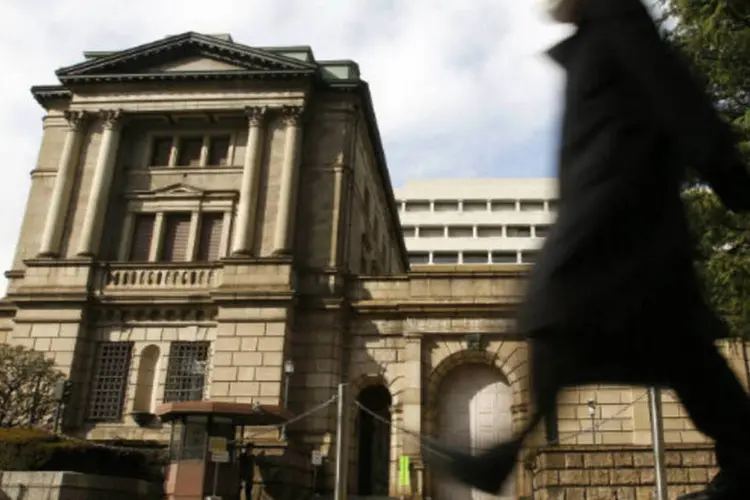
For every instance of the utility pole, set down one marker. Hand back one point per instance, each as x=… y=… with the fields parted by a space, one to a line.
x=341 y=458
x=657 y=437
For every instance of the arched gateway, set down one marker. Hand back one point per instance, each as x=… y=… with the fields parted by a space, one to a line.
x=474 y=412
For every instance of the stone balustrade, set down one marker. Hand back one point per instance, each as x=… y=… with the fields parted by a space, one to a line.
x=127 y=277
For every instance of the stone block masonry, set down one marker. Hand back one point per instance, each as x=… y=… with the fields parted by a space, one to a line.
x=616 y=472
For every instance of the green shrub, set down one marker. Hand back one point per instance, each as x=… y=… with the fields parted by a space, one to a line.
x=31 y=449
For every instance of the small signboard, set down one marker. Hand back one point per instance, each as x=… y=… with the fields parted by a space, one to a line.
x=316 y=458
x=217 y=444
x=403 y=470
x=220 y=457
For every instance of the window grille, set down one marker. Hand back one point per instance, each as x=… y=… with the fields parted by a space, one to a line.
x=186 y=371
x=110 y=381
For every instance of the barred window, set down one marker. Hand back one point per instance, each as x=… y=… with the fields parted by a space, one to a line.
x=110 y=381
x=186 y=371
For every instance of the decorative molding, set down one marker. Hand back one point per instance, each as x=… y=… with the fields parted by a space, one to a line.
x=111 y=117
x=190 y=314
x=256 y=115
x=292 y=115
x=76 y=119
x=475 y=342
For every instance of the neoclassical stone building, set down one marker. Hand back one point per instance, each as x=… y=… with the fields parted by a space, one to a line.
x=202 y=212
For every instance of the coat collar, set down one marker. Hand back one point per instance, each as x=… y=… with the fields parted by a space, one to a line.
x=562 y=52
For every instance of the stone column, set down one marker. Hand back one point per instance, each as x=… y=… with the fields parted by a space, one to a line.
x=244 y=229
x=287 y=203
x=99 y=191
x=59 y=202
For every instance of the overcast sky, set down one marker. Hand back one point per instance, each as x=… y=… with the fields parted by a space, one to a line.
x=461 y=88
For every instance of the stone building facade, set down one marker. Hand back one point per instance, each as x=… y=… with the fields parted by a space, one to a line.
x=203 y=211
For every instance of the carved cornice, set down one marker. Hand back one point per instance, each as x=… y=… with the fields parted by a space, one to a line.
x=255 y=115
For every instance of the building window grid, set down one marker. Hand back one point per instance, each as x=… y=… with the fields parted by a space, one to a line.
x=453 y=231
x=186 y=371
x=110 y=381
x=190 y=150
x=491 y=205
x=173 y=237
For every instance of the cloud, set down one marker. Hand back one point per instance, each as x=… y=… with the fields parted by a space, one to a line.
x=455 y=83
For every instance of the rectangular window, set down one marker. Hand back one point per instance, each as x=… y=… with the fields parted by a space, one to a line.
x=189 y=149
x=476 y=258
x=552 y=205
x=529 y=256
x=419 y=258
x=541 y=231
x=176 y=235
x=503 y=206
x=431 y=232
x=209 y=243
x=409 y=231
x=417 y=206
x=186 y=371
x=445 y=206
x=218 y=151
x=445 y=258
x=532 y=206
x=460 y=232
x=489 y=231
x=518 y=231
x=161 y=150
x=475 y=206
x=504 y=257
x=110 y=381
x=143 y=232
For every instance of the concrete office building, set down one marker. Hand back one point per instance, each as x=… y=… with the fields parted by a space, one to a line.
x=476 y=221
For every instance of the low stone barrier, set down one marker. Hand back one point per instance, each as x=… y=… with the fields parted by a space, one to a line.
x=617 y=472
x=52 y=485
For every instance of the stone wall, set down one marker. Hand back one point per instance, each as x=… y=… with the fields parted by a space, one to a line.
x=616 y=472
x=74 y=486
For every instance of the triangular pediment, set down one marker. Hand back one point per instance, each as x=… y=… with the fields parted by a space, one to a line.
x=188 y=53
x=178 y=189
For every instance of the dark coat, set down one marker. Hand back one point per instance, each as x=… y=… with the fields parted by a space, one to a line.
x=619 y=255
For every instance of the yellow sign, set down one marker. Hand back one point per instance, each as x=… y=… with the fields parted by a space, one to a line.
x=217 y=445
x=403 y=470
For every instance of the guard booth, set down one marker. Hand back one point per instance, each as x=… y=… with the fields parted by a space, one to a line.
x=205 y=441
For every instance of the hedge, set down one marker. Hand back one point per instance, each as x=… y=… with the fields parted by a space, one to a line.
x=38 y=450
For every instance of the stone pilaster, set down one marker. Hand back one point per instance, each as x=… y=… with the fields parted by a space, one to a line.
x=244 y=228
x=411 y=398
x=100 y=184
x=287 y=202
x=58 y=204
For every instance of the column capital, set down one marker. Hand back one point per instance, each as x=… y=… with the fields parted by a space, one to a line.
x=76 y=119
x=111 y=117
x=292 y=115
x=255 y=115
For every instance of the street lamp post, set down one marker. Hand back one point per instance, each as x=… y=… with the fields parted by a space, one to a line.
x=288 y=372
x=592 y=414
